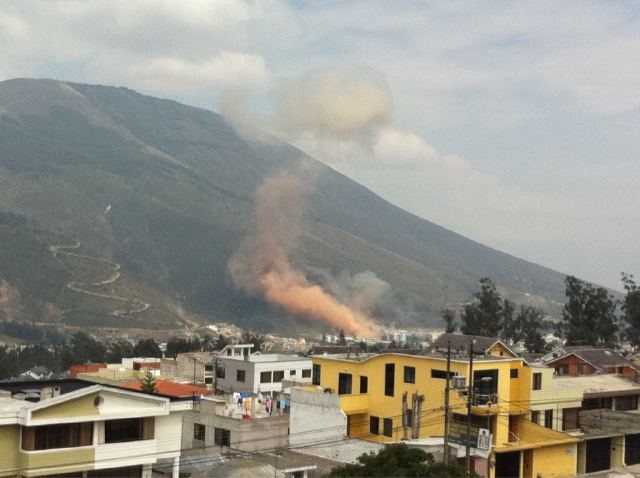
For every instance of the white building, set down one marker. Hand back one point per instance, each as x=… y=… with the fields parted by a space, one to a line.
x=261 y=372
x=93 y=430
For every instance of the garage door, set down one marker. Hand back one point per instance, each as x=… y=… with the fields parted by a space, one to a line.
x=598 y=455
x=632 y=449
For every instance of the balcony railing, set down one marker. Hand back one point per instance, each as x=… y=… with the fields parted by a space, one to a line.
x=482 y=399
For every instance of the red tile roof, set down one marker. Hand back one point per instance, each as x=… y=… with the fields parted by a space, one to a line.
x=172 y=389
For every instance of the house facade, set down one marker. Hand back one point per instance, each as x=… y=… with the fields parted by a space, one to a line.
x=390 y=398
x=261 y=373
x=93 y=430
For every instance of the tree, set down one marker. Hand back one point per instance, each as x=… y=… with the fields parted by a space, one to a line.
x=511 y=326
x=118 y=350
x=147 y=348
x=83 y=348
x=341 y=338
x=529 y=321
x=177 y=346
x=631 y=308
x=148 y=383
x=483 y=316
x=222 y=342
x=398 y=460
x=449 y=316
x=588 y=315
x=256 y=340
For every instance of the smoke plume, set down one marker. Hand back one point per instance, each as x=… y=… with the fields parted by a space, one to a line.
x=261 y=265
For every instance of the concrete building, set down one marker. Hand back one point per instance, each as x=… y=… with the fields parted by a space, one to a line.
x=589 y=360
x=212 y=423
x=608 y=420
x=386 y=398
x=198 y=367
x=481 y=345
x=71 y=426
x=264 y=373
x=554 y=403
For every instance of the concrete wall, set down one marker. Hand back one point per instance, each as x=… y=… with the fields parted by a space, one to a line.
x=249 y=435
x=315 y=418
x=555 y=461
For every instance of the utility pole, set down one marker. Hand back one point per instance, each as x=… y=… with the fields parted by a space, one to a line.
x=405 y=421
x=469 y=403
x=215 y=375
x=446 y=405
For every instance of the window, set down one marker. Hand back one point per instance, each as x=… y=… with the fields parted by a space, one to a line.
x=222 y=437
x=514 y=373
x=344 y=384
x=374 y=425
x=388 y=427
x=240 y=375
x=57 y=436
x=220 y=372
x=306 y=373
x=389 y=379
x=208 y=380
x=485 y=383
x=535 y=416
x=595 y=403
x=409 y=374
x=364 y=384
x=441 y=374
x=548 y=418
x=208 y=367
x=537 y=381
x=119 y=431
x=562 y=370
x=265 y=377
x=570 y=418
x=278 y=375
x=316 y=374
x=198 y=431
x=627 y=403
x=292 y=373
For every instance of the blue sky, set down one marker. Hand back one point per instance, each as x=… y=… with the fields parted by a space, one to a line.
x=514 y=123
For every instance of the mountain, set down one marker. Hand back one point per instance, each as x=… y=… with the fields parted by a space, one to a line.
x=123 y=210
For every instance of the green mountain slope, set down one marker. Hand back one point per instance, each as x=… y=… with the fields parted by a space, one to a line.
x=161 y=194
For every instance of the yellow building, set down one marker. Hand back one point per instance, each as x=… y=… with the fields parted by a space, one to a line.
x=371 y=387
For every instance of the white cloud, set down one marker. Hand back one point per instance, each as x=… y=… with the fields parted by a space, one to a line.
x=513 y=122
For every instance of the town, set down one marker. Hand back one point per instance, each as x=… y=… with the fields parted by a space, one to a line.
x=274 y=406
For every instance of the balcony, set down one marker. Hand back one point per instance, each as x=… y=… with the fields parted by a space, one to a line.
x=486 y=404
x=353 y=404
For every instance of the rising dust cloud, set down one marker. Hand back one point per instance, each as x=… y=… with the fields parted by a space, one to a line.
x=261 y=265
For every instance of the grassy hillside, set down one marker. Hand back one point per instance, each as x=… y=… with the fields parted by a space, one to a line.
x=161 y=193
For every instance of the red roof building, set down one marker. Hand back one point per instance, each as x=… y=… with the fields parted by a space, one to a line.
x=74 y=370
x=172 y=389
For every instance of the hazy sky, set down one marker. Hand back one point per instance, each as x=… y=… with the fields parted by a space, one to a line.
x=516 y=124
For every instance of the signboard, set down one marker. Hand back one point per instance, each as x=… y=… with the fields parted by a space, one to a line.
x=479 y=437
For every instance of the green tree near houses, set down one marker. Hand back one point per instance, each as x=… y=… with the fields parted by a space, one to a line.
x=449 y=316
x=589 y=315
x=484 y=315
x=148 y=383
x=399 y=460
x=530 y=325
x=631 y=308
x=341 y=338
